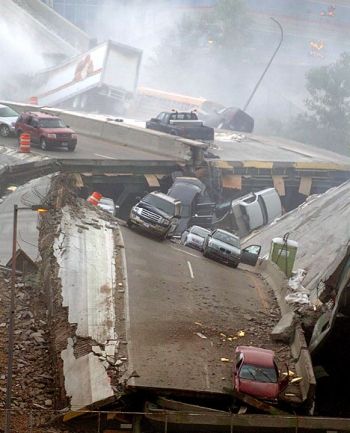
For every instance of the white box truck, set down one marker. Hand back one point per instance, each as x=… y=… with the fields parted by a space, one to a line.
x=102 y=80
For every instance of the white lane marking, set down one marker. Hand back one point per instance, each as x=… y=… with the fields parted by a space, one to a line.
x=206 y=375
x=186 y=252
x=104 y=156
x=190 y=268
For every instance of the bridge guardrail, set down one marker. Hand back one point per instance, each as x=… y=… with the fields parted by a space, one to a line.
x=126 y=135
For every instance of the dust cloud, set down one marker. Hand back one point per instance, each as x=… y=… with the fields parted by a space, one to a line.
x=228 y=77
x=20 y=56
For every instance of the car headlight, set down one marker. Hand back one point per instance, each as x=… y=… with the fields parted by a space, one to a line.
x=74 y=136
x=51 y=135
x=136 y=210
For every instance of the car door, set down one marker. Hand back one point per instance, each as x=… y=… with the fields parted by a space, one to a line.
x=250 y=255
x=34 y=132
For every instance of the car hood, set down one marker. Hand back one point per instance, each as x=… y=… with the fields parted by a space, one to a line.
x=195 y=238
x=262 y=390
x=221 y=244
x=160 y=212
x=8 y=120
x=59 y=131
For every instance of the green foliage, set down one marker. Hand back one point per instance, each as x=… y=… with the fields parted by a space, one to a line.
x=327 y=121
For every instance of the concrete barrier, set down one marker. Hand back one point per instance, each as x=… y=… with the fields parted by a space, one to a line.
x=299 y=349
x=180 y=149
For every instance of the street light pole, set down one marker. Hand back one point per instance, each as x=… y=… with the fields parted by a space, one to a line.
x=267 y=66
x=11 y=325
x=40 y=209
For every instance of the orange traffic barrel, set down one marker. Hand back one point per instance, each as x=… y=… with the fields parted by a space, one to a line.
x=33 y=100
x=94 y=198
x=24 y=143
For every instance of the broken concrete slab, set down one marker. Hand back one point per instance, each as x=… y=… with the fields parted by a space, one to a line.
x=285 y=328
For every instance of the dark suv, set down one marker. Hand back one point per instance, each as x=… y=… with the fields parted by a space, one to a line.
x=46 y=130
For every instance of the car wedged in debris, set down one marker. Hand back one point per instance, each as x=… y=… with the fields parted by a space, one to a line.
x=156 y=213
x=195 y=237
x=226 y=247
x=46 y=130
x=8 y=118
x=255 y=372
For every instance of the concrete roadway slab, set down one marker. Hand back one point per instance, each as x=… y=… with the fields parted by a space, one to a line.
x=175 y=297
x=254 y=148
x=27 y=233
x=90 y=148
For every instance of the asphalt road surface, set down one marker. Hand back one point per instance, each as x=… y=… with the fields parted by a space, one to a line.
x=27 y=233
x=89 y=148
x=185 y=313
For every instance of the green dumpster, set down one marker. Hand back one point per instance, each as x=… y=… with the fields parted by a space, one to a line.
x=283 y=252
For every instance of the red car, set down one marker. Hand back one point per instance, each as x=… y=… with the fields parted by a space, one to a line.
x=46 y=130
x=255 y=372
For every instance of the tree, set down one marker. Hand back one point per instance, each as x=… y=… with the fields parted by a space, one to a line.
x=327 y=121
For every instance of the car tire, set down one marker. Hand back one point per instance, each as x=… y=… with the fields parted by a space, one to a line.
x=71 y=148
x=205 y=253
x=173 y=132
x=130 y=224
x=43 y=144
x=4 y=131
x=234 y=264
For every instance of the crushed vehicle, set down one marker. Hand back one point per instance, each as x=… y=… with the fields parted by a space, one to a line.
x=195 y=206
x=249 y=212
x=226 y=247
x=8 y=118
x=156 y=213
x=46 y=130
x=195 y=237
x=183 y=124
x=255 y=372
x=229 y=118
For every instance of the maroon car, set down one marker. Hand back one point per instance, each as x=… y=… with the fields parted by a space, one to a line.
x=46 y=130
x=256 y=373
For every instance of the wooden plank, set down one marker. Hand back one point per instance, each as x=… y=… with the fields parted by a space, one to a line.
x=232 y=181
x=152 y=180
x=278 y=183
x=305 y=185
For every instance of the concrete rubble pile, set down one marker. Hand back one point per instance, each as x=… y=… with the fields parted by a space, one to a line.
x=33 y=387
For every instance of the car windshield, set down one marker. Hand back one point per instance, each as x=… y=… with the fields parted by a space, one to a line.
x=227 y=238
x=106 y=201
x=7 y=112
x=159 y=203
x=51 y=123
x=259 y=374
x=199 y=231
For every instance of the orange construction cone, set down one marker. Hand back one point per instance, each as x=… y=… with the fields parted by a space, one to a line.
x=24 y=143
x=94 y=198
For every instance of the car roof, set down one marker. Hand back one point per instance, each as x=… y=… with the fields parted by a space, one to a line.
x=40 y=114
x=165 y=197
x=226 y=232
x=199 y=227
x=257 y=355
